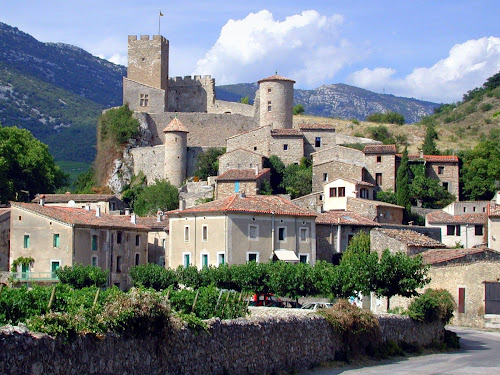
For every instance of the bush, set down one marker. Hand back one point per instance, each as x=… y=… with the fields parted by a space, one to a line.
x=118 y=125
x=359 y=328
x=80 y=276
x=485 y=107
x=151 y=275
x=433 y=305
x=298 y=109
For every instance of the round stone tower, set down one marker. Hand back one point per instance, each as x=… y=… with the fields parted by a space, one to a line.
x=276 y=102
x=175 y=152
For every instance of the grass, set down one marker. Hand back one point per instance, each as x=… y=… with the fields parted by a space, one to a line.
x=73 y=168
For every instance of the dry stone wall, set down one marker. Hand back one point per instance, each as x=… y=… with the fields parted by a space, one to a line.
x=258 y=345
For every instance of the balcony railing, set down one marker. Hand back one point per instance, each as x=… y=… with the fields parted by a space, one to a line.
x=34 y=276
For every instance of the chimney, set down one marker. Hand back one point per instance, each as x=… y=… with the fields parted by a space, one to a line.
x=42 y=200
x=421 y=154
x=87 y=207
x=158 y=216
x=98 y=211
x=133 y=219
x=256 y=170
x=127 y=211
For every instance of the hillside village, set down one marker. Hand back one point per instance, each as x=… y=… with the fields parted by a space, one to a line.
x=179 y=119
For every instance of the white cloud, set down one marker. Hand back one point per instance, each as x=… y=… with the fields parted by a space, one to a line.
x=305 y=47
x=467 y=66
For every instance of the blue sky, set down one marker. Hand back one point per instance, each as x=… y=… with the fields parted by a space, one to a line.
x=433 y=50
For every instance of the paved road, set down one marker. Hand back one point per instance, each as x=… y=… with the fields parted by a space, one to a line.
x=480 y=354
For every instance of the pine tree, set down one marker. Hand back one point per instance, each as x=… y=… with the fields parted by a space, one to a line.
x=429 y=145
x=402 y=183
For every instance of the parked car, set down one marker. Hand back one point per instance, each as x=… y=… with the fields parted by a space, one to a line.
x=316 y=305
x=266 y=299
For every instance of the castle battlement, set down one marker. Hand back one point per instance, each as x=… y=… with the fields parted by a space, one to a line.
x=191 y=80
x=135 y=38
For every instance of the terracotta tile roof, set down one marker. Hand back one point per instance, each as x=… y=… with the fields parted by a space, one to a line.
x=242 y=174
x=352 y=180
x=80 y=217
x=240 y=150
x=345 y=218
x=434 y=158
x=444 y=255
x=375 y=203
x=316 y=127
x=65 y=198
x=153 y=223
x=286 y=132
x=276 y=77
x=175 y=126
x=257 y=204
x=380 y=149
x=343 y=161
x=441 y=217
x=493 y=210
x=4 y=211
x=411 y=238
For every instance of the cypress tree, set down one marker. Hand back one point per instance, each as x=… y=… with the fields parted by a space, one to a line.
x=403 y=184
x=429 y=145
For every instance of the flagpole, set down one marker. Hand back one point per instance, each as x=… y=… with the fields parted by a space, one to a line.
x=159 y=16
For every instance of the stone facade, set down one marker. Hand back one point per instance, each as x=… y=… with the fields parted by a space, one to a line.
x=297 y=343
x=240 y=159
x=331 y=170
x=380 y=212
x=256 y=140
x=405 y=241
x=191 y=94
x=276 y=102
x=313 y=201
x=249 y=185
x=317 y=139
x=289 y=148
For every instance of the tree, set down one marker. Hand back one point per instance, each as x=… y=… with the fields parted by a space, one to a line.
x=382 y=134
x=162 y=195
x=118 y=124
x=207 y=163
x=429 y=145
x=152 y=275
x=298 y=109
x=26 y=166
x=402 y=183
x=427 y=190
x=480 y=171
x=245 y=100
x=80 y=276
x=297 y=179
x=388 y=196
x=84 y=182
x=388 y=118
x=399 y=274
x=277 y=169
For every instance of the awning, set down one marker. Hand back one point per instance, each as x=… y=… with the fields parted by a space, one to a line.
x=286 y=256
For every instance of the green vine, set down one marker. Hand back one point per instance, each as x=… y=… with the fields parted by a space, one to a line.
x=22 y=261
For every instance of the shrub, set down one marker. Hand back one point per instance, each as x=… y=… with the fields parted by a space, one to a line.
x=433 y=305
x=486 y=107
x=355 y=121
x=151 y=275
x=359 y=328
x=118 y=125
x=80 y=276
x=298 y=109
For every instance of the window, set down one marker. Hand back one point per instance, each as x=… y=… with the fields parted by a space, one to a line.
x=54 y=265
x=379 y=159
x=341 y=191
x=204 y=233
x=440 y=170
x=221 y=258
x=255 y=148
x=269 y=90
x=137 y=259
x=445 y=186
x=236 y=186
x=118 y=237
x=253 y=232
x=457 y=230
x=187 y=259
x=204 y=260
x=281 y=233
x=465 y=209
x=252 y=257
x=94 y=261
x=378 y=179
x=137 y=240
x=363 y=193
x=118 y=264
x=317 y=142
x=55 y=240
x=478 y=230
x=461 y=300
x=450 y=230
x=186 y=233
x=304 y=258
x=144 y=100
x=304 y=234
x=325 y=177
x=164 y=244
x=94 y=243
x=269 y=107
x=474 y=209
x=333 y=192
x=26 y=242
x=285 y=147
x=161 y=261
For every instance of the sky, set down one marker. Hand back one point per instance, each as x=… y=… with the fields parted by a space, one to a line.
x=432 y=50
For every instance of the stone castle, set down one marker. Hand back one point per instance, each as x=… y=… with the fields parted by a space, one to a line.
x=180 y=117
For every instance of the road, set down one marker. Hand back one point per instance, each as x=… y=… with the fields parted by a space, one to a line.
x=480 y=354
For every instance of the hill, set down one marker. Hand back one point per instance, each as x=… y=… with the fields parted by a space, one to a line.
x=340 y=101
x=56 y=91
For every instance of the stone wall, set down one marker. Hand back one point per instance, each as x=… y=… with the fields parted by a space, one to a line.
x=337 y=152
x=449 y=175
x=257 y=345
x=294 y=146
x=334 y=169
x=133 y=92
x=149 y=160
x=312 y=201
x=327 y=140
x=191 y=94
x=222 y=106
x=256 y=140
x=240 y=159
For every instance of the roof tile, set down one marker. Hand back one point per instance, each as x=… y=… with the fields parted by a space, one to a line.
x=289 y=132
x=175 y=126
x=275 y=77
x=444 y=255
x=411 y=238
x=317 y=127
x=344 y=218
x=380 y=149
x=441 y=217
x=242 y=174
x=65 y=198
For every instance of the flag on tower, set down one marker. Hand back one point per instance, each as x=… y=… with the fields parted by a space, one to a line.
x=161 y=14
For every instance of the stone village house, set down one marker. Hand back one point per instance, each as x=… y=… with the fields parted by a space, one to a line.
x=62 y=236
x=108 y=203
x=240 y=228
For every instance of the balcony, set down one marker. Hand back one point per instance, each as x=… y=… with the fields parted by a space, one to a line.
x=25 y=277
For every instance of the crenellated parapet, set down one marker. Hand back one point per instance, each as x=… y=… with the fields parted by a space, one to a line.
x=205 y=80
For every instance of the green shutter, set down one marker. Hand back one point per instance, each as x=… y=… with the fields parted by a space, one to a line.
x=55 y=240
x=94 y=243
x=26 y=241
